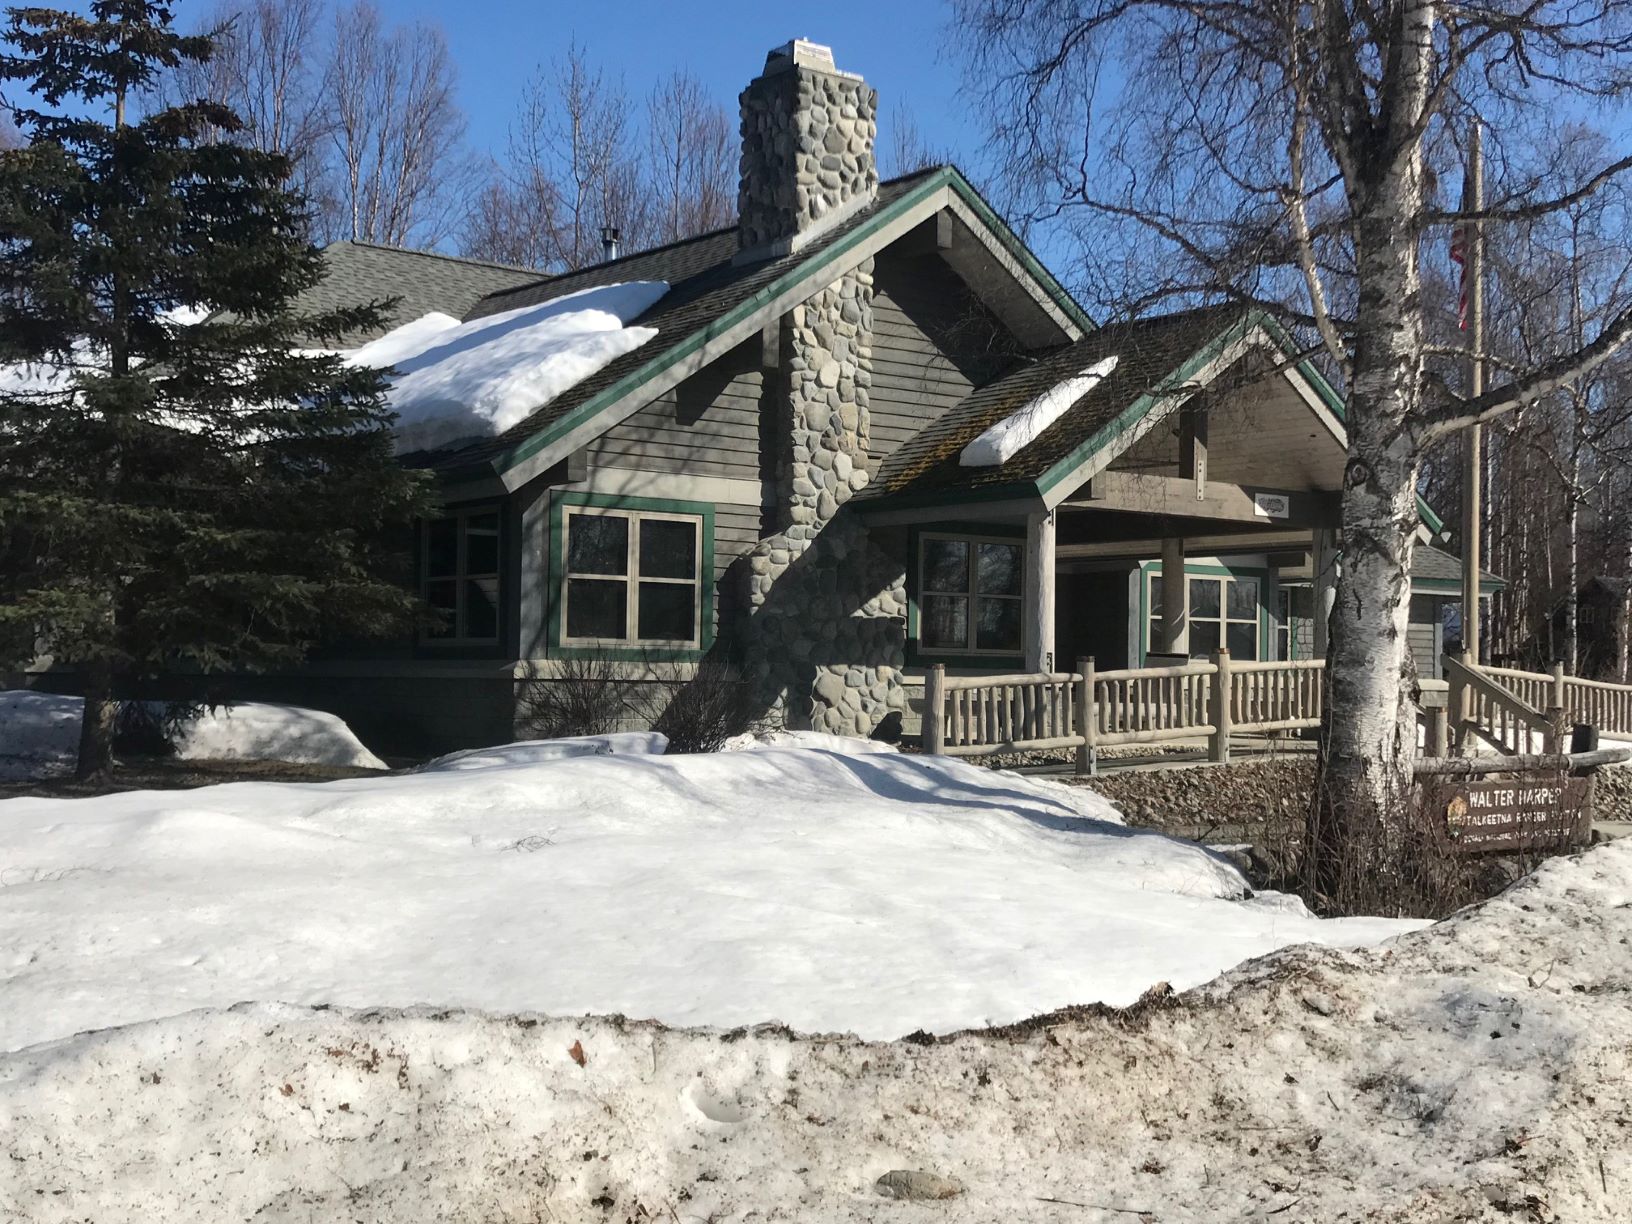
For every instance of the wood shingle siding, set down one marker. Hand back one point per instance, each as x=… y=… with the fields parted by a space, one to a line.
x=932 y=344
x=707 y=426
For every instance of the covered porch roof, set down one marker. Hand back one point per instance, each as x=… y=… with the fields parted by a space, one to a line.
x=1276 y=429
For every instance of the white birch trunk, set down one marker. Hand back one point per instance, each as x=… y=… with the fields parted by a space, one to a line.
x=1369 y=739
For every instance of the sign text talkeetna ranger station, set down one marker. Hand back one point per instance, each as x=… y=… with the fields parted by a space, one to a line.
x=1525 y=814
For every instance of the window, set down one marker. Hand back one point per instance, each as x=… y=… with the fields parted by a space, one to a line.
x=969 y=594
x=1223 y=611
x=461 y=575
x=632 y=577
x=1283 y=625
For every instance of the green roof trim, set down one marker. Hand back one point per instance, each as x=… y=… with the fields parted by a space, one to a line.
x=946 y=176
x=1021 y=252
x=1134 y=412
x=1488 y=585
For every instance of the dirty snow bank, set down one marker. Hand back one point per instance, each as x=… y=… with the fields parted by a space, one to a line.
x=458 y=380
x=835 y=891
x=1478 y=1070
x=39 y=735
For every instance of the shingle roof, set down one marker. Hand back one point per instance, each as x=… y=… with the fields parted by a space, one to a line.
x=1148 y=351
x=703 y=285
x=360 y=272
x=1430 y=564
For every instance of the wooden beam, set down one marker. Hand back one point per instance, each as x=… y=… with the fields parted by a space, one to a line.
x=1039 y=591
x=1193 y=446
x=1195 y=546
x=770 y=345
x=1178 y=496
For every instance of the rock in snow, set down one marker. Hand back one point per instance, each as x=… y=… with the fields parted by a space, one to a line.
x=1480 y=1070
x=1015 y=432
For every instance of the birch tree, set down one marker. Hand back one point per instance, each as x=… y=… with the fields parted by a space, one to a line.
x=396 y=130
x=267 y=69
x=1301 y=155
x=691 y=158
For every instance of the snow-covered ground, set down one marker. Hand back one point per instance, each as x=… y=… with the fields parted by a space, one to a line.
x=857 y=891
x=1480 y=1070
x=39 y=735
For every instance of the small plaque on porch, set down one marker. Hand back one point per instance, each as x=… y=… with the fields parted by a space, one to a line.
x=1272 y=505
x=1530 y=814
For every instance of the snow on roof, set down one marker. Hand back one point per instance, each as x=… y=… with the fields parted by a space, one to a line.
x=24 y=378
x=456 y=381
x=1014 y=433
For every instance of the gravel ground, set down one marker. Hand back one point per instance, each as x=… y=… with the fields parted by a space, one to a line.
x=1250 y=800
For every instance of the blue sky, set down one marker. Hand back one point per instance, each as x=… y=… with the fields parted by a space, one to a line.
x=900 y=46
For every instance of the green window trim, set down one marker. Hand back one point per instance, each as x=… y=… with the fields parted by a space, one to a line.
x=916 y=655
x=1267 y=588
x=555 y=602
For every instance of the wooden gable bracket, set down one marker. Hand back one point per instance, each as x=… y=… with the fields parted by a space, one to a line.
x=930 y=237
x=770 y=345
x=1193 y=446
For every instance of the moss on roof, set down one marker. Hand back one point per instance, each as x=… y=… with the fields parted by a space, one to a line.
x=1149 y=351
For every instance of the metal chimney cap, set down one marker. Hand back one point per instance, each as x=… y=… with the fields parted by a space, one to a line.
x=802 y=53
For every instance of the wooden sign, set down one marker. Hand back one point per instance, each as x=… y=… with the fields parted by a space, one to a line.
x=1523 y=814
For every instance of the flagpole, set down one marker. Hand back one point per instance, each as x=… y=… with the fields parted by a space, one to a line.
x=1473 y=439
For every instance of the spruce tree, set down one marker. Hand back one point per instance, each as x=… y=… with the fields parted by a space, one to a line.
x=174 y=494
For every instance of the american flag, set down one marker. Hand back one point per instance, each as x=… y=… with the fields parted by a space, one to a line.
x=1461 y=238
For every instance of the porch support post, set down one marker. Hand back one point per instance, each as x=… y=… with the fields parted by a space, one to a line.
x=1175 y=599
x=1325 y=562
x=1039 y=591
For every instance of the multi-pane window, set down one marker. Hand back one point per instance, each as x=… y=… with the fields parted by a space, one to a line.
x=461 y=575
x=632 y=577
x=970 y=594
x=1283 y=624
x=1223 y=612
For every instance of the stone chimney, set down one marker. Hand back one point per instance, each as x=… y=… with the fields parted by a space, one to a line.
x=808 y=132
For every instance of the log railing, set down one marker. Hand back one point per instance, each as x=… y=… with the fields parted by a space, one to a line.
x=1088 y=709
x=1209 y=700
x=980 y=715
x=1284 y=696
x=1595 y=702
x=1483 y=703
x=1600 y=704
x=1150 y=705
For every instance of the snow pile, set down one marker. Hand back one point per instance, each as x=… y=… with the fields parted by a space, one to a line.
x=780 y=738
x=1014 y=433
x=459 y=380
x=1479 y=1070
x=259 y=731
x=533 y=752
x=872 y=892
x=39 y=735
